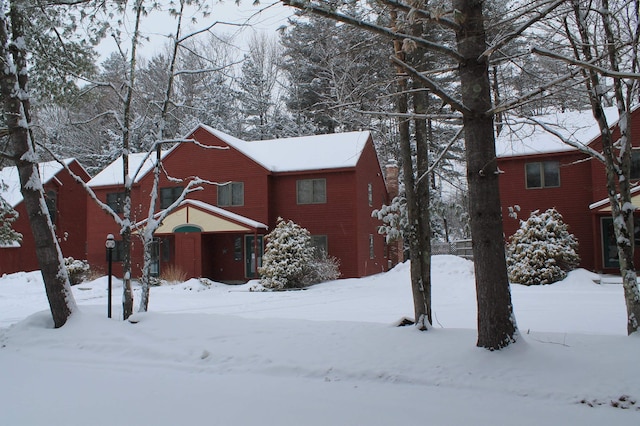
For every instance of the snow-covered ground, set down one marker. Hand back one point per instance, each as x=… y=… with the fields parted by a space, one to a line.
x=329 y=355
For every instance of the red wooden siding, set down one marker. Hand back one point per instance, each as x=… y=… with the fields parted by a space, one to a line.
x=582 y=183
x=345 y=218
x=70 y=223
x=572 y=198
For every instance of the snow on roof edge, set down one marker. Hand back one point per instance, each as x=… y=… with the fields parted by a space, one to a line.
x=47 y=170
x=511 y=144
x=605 y=201
x=225 y=213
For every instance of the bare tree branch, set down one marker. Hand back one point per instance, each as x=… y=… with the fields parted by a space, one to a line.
x=540 y=90
x=426 y=15
x=586 y=65
x=336 y=16
x=435 y=88
x=518 y=31
x=442 y=154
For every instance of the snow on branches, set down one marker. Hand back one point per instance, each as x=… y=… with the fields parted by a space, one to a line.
x=542 y=251
x=291 y=261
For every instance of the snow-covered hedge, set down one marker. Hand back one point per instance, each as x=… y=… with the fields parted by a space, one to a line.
x=542 y=251
x=290 y=261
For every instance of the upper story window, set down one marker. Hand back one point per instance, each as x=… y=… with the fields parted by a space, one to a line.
x=115 y=200
x=169 y=195
x=544 y=174
x=370 y=194
x=231 y=194
x=635 y=164
x=312 y=191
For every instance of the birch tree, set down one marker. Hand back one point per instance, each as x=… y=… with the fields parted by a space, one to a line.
x=153 y=219
x=20 y=150
x=604 y=38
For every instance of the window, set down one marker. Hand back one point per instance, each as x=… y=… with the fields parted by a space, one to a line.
x=115 y=200
x=312 y=191
x=370 y=194
x=635 y=164
x=117 y=254
x=169 y=195
x=231 y=194
x=165 y=249
x=237 y=249
x=319 y=243
x=372 y=253
x=545 y=174
x=51 y=199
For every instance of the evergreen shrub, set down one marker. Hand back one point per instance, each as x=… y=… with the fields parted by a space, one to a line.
x=542 y=251
x=290 y=261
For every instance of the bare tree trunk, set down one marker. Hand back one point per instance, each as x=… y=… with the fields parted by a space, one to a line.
x=413 y=209
x=617 y=165
x=420 y=103
x=496 y=322
x=127 y=294
x=13 y=86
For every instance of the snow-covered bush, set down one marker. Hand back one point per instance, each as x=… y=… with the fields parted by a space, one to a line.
x=7 y=216
x=324 y=268
x=542 y=251
x=78 y=270
x=290 y=260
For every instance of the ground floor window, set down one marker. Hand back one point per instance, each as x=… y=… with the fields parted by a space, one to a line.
x=320 y=245
x=117 y=253
x=609 y=247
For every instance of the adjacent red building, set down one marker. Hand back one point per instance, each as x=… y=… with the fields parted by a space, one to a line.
x=539 y=172
x=66 y=200
x=328 y=184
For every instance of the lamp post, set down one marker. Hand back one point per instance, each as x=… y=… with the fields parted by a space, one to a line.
x=110 y=244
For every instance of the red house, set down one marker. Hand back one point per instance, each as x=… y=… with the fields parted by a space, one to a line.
x=66 y=200
x=329 y=184
x=539 y=172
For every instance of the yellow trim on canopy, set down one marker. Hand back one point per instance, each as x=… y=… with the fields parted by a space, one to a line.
x=635 y=199
x=208 y=222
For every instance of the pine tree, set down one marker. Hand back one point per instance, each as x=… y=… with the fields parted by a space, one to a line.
x=542 y=251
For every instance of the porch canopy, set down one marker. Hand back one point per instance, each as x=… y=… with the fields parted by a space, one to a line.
x=197 y=216
x=604 y=206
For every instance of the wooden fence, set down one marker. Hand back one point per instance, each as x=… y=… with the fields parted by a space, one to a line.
x=462 y=248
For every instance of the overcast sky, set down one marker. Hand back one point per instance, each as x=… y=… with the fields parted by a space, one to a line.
x=265 y=17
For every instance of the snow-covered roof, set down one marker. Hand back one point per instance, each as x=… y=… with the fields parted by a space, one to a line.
x=9 y=176
x=523 y=137
x=113 y=174
x=317 y=152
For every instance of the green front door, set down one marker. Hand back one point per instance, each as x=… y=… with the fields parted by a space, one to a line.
x=253 y=251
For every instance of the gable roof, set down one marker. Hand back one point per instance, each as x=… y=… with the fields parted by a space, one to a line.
x=522 y=137
x=113 y=174
x=9 y=176
x=604 y=205
x=304 y=153
x=208 y=218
